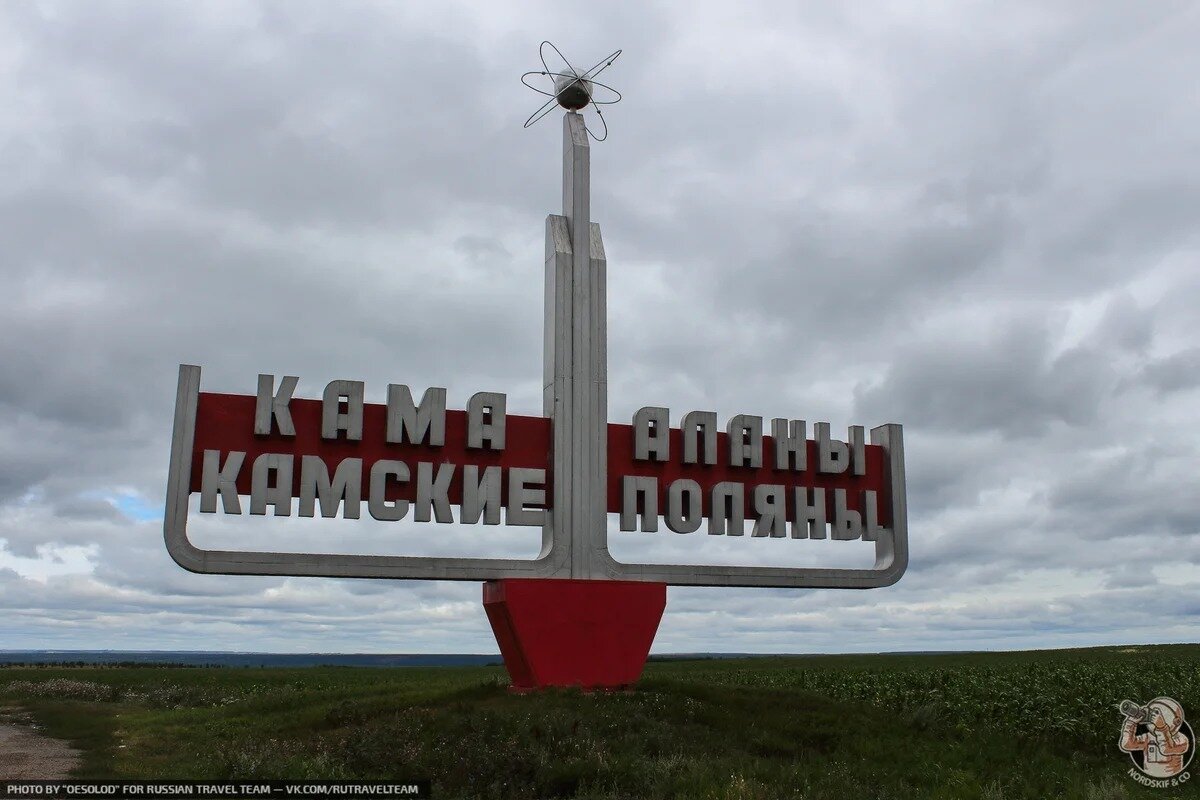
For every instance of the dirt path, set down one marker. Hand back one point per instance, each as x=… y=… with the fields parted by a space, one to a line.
x=27 y=753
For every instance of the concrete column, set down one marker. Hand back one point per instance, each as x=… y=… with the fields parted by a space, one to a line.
x=575 y=393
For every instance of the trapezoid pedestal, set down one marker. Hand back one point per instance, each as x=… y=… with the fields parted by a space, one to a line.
x=594 y=634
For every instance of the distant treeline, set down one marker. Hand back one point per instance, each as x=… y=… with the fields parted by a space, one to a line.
x=94 y=664
x=114 y=658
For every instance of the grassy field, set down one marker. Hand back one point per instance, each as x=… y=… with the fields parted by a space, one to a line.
x=1010 y=725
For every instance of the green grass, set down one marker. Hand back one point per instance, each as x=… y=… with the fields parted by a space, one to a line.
x=1010 y=725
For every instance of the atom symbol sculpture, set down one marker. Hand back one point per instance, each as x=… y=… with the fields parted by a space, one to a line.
x=573 y=90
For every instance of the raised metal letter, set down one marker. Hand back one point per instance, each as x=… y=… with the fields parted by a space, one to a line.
x=809 y=522
x=486 y=420
x=404 y=419
x=847 y=524
x=222 y=480
x=377 y=503
x=526 y=487
x=790 y=442
x=832 y=456
x=333 y=419
x=433 y=492
x=728 y=515
x=633 y=487
x=263 y=492
x=858 y=449
x=652 y=434
x=696 y=427
x=872 y=530
x=772 y=514
x=270 y=405
x=745 y=441
x=345 y=486
x=481 y=495
x=684 y=501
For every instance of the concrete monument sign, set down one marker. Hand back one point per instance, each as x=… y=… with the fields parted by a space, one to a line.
x=574 y=614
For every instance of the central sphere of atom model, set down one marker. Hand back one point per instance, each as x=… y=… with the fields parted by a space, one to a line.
x=572 y=92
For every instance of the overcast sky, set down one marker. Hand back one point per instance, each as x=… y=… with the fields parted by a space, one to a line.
x=977 y=220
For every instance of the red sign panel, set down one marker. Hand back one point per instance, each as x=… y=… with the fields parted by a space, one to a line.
x=225 y=423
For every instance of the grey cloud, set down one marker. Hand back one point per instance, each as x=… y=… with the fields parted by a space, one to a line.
x=1007 y=382
x=978 y=227
x=88 y=508
x=1177 y=372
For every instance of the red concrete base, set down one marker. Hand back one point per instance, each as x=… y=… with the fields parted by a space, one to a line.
x=593 y=634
